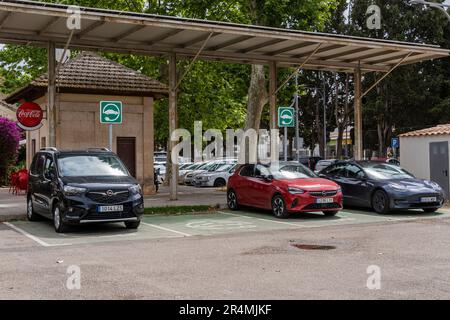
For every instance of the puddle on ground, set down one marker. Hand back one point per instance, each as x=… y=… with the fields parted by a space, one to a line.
x=312 y=246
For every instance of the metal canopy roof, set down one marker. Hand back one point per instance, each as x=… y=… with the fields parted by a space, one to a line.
x=37 y=23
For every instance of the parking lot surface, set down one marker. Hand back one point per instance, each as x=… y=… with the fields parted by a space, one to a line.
x=222 y=222
x=237 y=255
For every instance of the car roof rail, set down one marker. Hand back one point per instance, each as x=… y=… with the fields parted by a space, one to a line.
x=98 y=149
x=49 y=149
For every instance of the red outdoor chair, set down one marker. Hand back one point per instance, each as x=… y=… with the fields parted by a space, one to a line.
x=13 y=177
x=22 y=181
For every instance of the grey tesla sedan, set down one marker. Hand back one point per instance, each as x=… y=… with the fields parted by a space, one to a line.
x=384 y=187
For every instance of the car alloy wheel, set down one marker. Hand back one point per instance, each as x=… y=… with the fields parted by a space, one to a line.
x=380 y=202
x=57 y=220
x=232 y=200
x=30 y=211
x=220 y=182
x=279 y=207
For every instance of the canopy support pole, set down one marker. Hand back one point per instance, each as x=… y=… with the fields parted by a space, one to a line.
x=194 y=60
x=358 y=152
x=173 y=183
x=273 y=94
x=51 y=99
x=386 y=74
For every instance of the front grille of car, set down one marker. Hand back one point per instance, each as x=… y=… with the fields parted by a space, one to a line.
x=320 y=206
x=328 y=193
x=117 y=196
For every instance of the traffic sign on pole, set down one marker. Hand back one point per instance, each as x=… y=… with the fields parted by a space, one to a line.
x=286 y=117
x=111 y=112
x=395 y=143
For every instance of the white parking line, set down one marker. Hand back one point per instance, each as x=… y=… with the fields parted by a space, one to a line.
x=269 y=220
x=28 y=235
x=166 y=229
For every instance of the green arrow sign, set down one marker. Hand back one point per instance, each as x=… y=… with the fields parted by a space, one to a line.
x=286 y=117
x=111 y=112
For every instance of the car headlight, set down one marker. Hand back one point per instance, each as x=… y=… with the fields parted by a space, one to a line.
x=434 y=185
x=73 y=191
x=339 y=190
x=136 y=189
x=397 y=186
x=293 y=190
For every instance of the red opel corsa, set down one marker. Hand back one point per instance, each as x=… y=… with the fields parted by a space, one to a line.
x=284 y=189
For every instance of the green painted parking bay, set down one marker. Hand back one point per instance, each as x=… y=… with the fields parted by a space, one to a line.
x=222 y=222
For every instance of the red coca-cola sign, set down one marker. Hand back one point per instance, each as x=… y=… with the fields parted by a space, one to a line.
x=29 y=115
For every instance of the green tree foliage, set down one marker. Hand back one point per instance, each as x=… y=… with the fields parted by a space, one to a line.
x=213 y=92
x=413 y=96
x=9 y=146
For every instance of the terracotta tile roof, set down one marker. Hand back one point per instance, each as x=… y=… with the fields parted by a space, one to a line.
x=443 y=129
x=91 y=73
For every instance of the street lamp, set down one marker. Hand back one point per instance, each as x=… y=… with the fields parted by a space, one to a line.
x=440 y=6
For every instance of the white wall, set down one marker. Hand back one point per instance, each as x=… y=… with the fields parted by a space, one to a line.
x=415 y=154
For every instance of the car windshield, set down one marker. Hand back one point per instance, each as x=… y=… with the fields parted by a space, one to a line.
x=224 y=167
x=90 y=166
x=384 y=171
x=292 y=171
x=185 y=166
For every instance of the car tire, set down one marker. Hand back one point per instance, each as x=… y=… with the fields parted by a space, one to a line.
x=31 y=214
x=132 y=224
x=232 y=201
x=430 y=210
x=279 y=207
x=220 y=182
x=380 y=202
x=58 y=223
x=330 y=213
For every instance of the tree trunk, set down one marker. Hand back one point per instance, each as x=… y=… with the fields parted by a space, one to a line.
x=380 y=138
x=257 y=97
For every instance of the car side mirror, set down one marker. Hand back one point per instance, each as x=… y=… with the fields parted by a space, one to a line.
x=268 y=177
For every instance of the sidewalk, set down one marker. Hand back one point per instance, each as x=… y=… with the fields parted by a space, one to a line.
x=188 y=196
x=12 y=207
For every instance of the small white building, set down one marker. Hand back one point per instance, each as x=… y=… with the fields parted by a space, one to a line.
x=425 y=153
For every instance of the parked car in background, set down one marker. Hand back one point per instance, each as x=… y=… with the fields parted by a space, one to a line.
x=383 y=187
x=310 y=162
x=393 y=161
x=215 y=178
x=322 y=164
x=288 y=188
x=185 y=169
x=80 y=187
x=210 y=166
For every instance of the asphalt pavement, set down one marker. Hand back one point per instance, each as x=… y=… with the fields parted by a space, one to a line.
x=232 y=255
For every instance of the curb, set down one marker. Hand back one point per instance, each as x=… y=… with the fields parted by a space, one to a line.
x=12 y=217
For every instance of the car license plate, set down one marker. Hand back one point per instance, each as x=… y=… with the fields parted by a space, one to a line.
x=324 y=200
x=110 y=208
x=428 y=199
